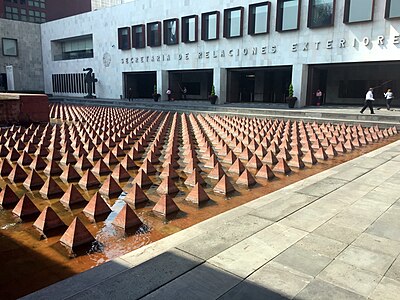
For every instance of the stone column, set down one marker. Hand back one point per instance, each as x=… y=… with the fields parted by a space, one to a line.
x=162 y=84
x=219 y=81
x=299 y=81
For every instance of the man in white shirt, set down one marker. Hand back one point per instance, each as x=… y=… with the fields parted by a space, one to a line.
x=369 y=99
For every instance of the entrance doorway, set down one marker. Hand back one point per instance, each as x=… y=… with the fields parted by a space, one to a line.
x=3 y=82
x=268 y=85
x=140 y=83
x=198 y=84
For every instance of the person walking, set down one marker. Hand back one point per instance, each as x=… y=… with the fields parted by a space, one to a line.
x=318 y=94
x=130 y=95
x=389 y=97
x=369 y=100
x=184 y=92
x=169 y=94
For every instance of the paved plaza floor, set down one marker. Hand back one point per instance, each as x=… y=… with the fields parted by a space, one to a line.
x=335 y=235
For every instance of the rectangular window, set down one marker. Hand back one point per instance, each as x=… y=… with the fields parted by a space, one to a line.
x=72 y=48
x=189 y=29
x=392 y=9
x=288 y=15
x=10 y=47
x=259 y=18
x=154 y=34
x=138 y=36
x=171 y=31
x=321 y=13
x=210 y=26
x=233 y=22
x=358 y=11
x=124 y=40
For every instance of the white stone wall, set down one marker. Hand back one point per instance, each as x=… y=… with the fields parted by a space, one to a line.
x=103 y=24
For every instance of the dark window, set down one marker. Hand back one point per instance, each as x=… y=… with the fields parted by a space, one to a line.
x=392 y=9
x=124 y=40
x=138 y=36
x=10 y=47
x=210 y=26
x=154 y=34
x=171 y=32
x=288 y=15
x=358 y=11
x=189 y=29
x=321 y=13
x=233 y=22
x=259 y=18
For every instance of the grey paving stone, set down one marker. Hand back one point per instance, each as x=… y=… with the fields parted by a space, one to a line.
x=365 y=259
x=323 y=187
x=143 y=279
x=352 y=192
x=378 y=244
x=387 y=193
x=217 y=239
x=321 y=290
x=280 y=279
x=394 y=270
x=203 y=282
x=250 y=254
x=388 y=224
x=305 y=261
x=388 y=155
x=80 y=282
x=350 y=278
x=380 y=174
x=369 y=162
x=387 y=289
x=284 y=206
x=250 y=291
x=321 y=245
x=338 y=233
x=349 y=172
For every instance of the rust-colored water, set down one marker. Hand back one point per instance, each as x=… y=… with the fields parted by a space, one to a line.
x=30 y=263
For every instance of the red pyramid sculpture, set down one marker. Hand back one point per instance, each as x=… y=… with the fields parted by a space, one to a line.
x=167 y=187
x=194 y=178
x=110 y=187
x=217 y=172
x=94 y=155
x=70 y=175
x=17 y=174
x=72 y=196
x=296 y=162
x=33 y=181
x=197 y=195
x=76 y=235
x=13 y=155
x=229 y=158
x=191 y=166
x=169 y=171
x=331 y=151
x=246 y=179
x=38 y=164
x=128 y=163
x=83 y=163
x=148 y=167
x=110 y=159
x=224 y=186
x=5 y=168
x=211 y=162
x=97 y=206
x=254 y=162
x=53 y=169
x=25 y=159
x=127 y=218
x=265 y=172
x=100 y=168
x=48 y=220
x=88 y=181
x=282 y=167
x=142 y=179
x=165 y=206
x=237 y=167
x=68 y=158
x=25 y=208
x=50 y=189
x=321 y=154
x=270 y=158
x=310 y=158
x=120 y=173
x=136 y=196
x=8 y=197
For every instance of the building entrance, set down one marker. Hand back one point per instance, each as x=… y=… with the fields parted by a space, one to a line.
x=139 y=84
x=269 y=85
x=3 y=82
x=198 y=84
x=348 y=83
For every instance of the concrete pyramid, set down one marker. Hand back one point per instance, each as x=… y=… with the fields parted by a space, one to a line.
x=70 y=175
x=254 y=162
x=246 y=179
x=25 y=159
x=53 y=169
x=72 y=196
x=217 y=172
x=17 y=174
x=120 y=173
x=50 y=189
x=224 y=186
x=25 y=208
x=68 y=158
x=97 y=206
x=76 y=235
x=33 y=181
x=127 y=218
x=148 y=167
x=48 y=220
x=296 y=162
x=165 y=206
x=194 y=178
x=110 y=159
x=282 y=167
x=128 y=163
x=136 y=196
x=169 y=171
x=94 y=155
x=5 y=167
x=265 y=172
x=310 y=158
x=167 y=187
x=101 y=168
x=38 y=164
x=83 y=163
x=197 y=195
x=110 y=187
x=142 y=179
x=8 y=197
x=237 y=167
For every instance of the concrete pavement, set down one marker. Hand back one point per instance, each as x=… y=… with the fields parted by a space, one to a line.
x=335 y=235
